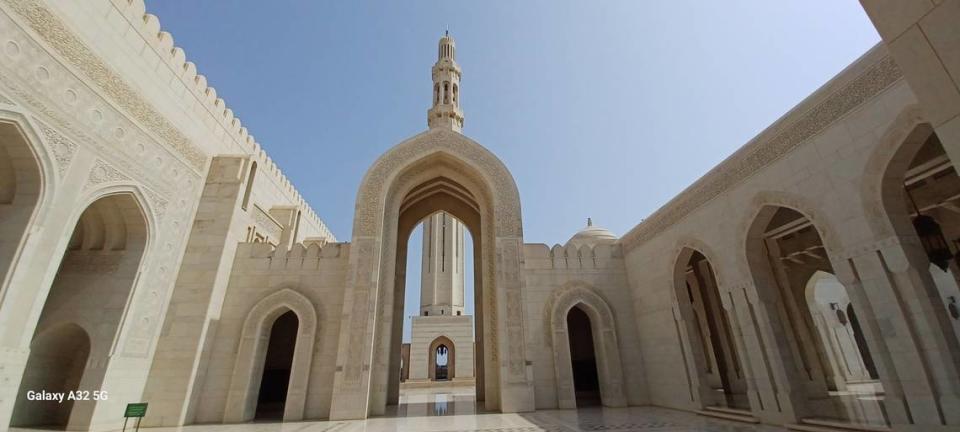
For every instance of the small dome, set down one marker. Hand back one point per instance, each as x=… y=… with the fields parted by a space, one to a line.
x=592 y=235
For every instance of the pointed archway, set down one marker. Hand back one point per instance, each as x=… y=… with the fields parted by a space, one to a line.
x=446 y=370
x=438 y=170
x=601 y=345
x=711 y=344
x=94 y=283
x=252 y=361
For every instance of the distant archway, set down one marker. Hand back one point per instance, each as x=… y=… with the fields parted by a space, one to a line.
x=439 y=170
x=446 y=372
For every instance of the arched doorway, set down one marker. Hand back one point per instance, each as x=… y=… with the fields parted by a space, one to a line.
x=56 y=364
x=917 y=193
x=277 y=366
x=439 y=170
x=91 y=291
x=921 y=191
x=272 y=367
x=20 y=188
x=443 y=361
x=586 y=349
x=788 y=260
x=583 y=361
x=711 y=340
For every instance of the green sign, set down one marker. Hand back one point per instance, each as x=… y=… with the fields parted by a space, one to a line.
x=136 y=410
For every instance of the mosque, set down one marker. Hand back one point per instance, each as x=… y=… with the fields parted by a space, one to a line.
x=151 y=251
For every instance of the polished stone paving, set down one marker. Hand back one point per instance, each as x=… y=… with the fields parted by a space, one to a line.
x=454 y=410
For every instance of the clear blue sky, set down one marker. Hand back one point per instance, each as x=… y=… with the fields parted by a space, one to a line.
x=601 y=109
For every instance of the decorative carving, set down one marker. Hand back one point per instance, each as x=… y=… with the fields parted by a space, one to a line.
x=59 y=116
x=758 y=154
x=159 y=203
x=103 y=172
x=58 y=36
x=500 y=181
x=63 y=149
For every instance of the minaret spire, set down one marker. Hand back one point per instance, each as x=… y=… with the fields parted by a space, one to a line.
x=445 y=111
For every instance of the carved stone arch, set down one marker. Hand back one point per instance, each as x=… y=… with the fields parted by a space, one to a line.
x=139 y=195
x=148 y=252
x=438 y=170
x=35 y=165
x=698 y=341
x=686 y=246
x=251 y=352
x=762 y=207
x=606 y=344
x=885 y=206
x=382 y=174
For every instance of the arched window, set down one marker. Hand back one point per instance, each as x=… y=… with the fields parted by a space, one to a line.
x=246 y=193
x=456 y=89
x=446 y=92
x=436 y=94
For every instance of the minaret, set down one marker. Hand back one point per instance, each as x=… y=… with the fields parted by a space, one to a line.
x=446 y=111
x=441 y=280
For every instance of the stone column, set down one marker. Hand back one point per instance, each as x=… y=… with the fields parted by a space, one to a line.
x=287 y=216
x=516 y=375
x=923 y=36
x=907 y=331
x=777 y=377
x=689 y=332
x=180 y=357
x=707 y=277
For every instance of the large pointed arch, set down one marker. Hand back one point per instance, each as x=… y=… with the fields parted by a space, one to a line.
x=29 y=183
x=248 y=369
x=438 y=170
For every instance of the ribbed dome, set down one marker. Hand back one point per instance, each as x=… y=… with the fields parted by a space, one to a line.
x=592 y=235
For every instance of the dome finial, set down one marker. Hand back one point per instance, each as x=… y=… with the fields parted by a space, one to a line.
x=589 y=222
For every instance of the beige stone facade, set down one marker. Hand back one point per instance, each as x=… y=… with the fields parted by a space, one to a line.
x=152 y=250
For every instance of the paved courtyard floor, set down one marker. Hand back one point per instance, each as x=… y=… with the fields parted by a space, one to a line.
x=453 y=409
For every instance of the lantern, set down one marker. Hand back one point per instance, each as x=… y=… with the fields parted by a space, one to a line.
x=931 y=237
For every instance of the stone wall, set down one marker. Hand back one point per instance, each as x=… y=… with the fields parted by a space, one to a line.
x=259 y=271
x=547 y=273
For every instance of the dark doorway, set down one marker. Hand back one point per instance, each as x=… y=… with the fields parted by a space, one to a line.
x=58 y=358
x=586 y=383
x=276 y=367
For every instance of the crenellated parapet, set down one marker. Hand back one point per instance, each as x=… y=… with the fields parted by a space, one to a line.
x=307 y=255
x=157 y=49
x=539 y=256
